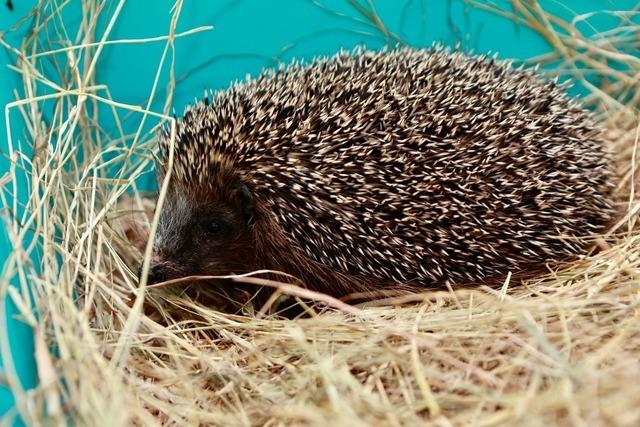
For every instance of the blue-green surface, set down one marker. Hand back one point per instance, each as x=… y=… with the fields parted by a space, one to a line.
x=249 y=35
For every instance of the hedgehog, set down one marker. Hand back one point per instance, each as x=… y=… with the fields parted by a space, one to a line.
x=388 y=170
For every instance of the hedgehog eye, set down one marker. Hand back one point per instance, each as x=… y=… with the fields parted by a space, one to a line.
x=214 y=227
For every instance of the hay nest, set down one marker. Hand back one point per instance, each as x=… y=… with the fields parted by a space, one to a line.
x=562 y=349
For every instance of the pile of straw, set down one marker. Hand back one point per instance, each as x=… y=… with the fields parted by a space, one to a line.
x=562 y=349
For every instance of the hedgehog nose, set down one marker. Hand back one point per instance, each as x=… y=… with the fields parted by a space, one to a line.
x=157 y=274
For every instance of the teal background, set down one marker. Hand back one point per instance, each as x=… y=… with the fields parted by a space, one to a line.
x=249 y=35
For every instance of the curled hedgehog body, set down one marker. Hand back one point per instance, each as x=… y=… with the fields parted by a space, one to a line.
x=389 y=170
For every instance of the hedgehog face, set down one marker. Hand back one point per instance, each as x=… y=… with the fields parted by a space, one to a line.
x=203 y=237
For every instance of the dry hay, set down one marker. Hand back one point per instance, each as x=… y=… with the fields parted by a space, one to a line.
x=559 y=350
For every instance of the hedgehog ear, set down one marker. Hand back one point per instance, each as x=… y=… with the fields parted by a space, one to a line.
x=244 y=198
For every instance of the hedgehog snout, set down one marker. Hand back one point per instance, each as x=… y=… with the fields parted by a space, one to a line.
x=157 y=273
x=160 y=270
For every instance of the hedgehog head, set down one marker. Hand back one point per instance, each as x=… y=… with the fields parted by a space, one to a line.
x=205 y=222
